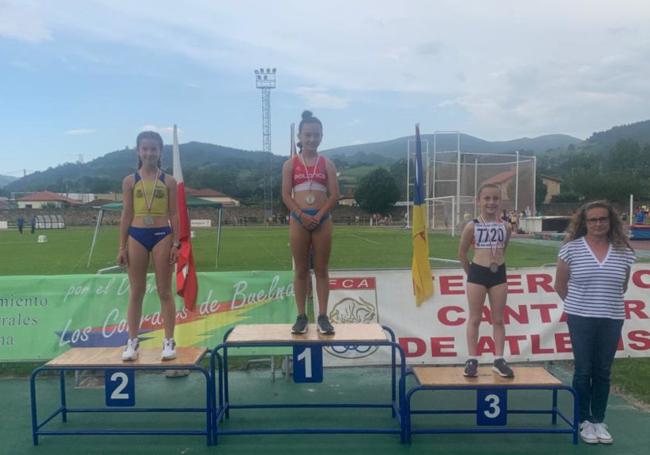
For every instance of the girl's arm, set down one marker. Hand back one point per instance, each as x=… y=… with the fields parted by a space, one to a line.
x=287 y=197
x=562 y=274
x=172 y=207
x=466 y=239
x=508 y=234
x=126 y=219
x=332 y=189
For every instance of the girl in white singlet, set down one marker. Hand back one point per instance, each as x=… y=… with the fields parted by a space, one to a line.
x=488 y=236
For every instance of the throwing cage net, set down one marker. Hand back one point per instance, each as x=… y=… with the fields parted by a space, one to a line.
x=453 y=178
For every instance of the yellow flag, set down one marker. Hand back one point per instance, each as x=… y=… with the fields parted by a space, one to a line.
x=420 y=267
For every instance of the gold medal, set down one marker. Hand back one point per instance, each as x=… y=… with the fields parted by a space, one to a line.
x=148 y=220
x=494 y=267
x=310 y=198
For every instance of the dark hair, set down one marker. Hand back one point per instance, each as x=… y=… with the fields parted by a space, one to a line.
x=484 y=186
x=578 y=226
x=308 y=117
x=149 y=135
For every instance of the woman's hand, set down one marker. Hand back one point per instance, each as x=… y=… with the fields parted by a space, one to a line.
x=122 y=257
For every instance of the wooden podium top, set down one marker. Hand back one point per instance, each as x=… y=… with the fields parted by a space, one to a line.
x=453 y=376
x=281 y=333
x=112 y=357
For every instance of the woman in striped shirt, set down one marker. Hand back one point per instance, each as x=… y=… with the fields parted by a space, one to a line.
x=593 y=270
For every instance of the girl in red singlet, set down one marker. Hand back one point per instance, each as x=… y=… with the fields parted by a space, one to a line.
x=310 y=190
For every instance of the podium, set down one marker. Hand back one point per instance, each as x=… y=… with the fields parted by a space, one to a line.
x=120 y=389
x=307 y=368
x=492 y=392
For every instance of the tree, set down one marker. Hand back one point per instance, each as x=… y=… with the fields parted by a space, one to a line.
x=377 y=192
x=540 y=191
x=398 y=171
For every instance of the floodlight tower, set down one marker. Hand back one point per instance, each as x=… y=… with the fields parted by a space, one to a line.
x=265 y=81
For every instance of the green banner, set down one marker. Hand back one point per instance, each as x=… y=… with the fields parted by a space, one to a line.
x=43 y=316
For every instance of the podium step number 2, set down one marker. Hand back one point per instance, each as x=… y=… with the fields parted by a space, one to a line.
x=120 y=387
x=491 y=407
x=307 y=363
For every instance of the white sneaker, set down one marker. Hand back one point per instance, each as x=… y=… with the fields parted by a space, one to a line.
x=169 y=349
x=131 y=350
x=588 y=432
x=602 y=434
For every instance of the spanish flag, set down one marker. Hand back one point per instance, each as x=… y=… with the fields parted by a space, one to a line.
x=187 y=285
x=420 y=268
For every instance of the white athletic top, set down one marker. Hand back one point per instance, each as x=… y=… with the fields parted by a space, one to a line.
x=595 y=288
x=489 y=235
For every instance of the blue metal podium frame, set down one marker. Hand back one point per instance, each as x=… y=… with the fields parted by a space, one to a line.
x=219 y=364
x=554 y=411
x=63 y=410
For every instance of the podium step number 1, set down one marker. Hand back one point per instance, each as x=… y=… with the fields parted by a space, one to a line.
x=491 y=407
x=307 y=363
x=120 y=387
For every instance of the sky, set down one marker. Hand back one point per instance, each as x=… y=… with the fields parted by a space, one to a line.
x=81 y=78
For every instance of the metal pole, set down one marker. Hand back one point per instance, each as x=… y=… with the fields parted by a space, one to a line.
x=457 y=211
x=534 y=186
x=426 y=219
x=453 y=217
x=216 y=264
x=475 y=185
x=517 y=184
x=631 y=209
x=92 y=245
x=408 y=182
x=433 y=186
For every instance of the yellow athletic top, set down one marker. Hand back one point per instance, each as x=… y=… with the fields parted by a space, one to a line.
x=156 y=190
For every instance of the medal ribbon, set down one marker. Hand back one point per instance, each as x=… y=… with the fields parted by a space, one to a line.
x=149 y=203
x=307 y=176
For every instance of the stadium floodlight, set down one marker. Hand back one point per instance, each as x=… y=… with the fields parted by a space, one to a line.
x=265 y=81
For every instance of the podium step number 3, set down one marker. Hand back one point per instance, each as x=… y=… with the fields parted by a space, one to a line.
x=307 y=363
x=491 y=407
x=120 y=387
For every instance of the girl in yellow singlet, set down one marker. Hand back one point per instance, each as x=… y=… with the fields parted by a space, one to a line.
x=149 y=228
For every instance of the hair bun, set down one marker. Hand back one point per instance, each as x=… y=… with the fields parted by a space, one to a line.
x=307 y=115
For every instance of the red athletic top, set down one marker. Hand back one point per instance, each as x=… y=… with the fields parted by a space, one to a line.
x=301 y=175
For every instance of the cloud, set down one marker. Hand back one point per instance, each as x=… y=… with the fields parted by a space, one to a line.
x=24 y=21
x=507 y=68
x=318 y=98
x=80 y=131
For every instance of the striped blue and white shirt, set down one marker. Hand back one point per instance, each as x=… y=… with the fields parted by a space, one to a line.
x=595 y=288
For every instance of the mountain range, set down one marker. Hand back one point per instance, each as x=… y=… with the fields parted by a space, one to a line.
x=239 y=172
x=396 y=148
x=6 y=179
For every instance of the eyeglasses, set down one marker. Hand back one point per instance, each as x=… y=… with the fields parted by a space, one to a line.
x=602 y=219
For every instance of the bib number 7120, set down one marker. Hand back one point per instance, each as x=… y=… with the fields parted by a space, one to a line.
x=491 y=407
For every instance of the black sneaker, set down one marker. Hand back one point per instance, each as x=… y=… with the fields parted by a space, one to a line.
x=501 y=368
x=471 y=368
x=324 y=325
x=300 y=326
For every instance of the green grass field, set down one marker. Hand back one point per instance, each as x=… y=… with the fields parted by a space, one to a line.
x=266 y=248
x=243 y=248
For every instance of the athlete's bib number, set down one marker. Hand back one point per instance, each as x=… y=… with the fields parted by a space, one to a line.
x=491 y=407
x=487 y=235
x=120 y=387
